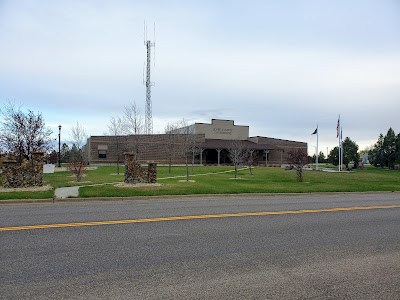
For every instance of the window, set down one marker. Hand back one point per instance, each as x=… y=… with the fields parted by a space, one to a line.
x=102 y=153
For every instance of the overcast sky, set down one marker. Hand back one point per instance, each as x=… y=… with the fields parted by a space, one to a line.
x=281 y=67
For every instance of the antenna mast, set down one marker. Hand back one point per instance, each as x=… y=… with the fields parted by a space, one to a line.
x=148 y=114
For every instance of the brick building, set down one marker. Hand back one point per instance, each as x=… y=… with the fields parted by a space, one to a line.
x=204 y=143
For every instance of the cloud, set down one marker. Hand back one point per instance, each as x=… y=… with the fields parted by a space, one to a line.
x=278 y=66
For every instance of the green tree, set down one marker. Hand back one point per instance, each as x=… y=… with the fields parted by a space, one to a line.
x=389 y=149
x=350 y=153
x=386 y=151
x=398 y=149
x=65 y=153
x=333 y=157
x=375 y=155
x=75 y=152
x=321 y=157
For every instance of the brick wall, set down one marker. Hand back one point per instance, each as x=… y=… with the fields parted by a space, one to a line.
x=274 y=156
x=165 y=147
x=157 y=147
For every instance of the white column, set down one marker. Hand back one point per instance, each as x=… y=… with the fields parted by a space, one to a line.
x=201 y=156
x=266 y=157
x=219 y=155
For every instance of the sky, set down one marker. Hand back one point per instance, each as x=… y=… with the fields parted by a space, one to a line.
x=280 y=67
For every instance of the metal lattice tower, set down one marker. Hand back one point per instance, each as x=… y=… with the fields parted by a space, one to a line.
x=148 y=114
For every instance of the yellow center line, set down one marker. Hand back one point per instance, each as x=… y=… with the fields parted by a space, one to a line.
x=193 y=217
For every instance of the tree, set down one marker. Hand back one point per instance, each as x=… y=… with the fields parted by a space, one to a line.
x=187 y=137
x=298 y=158
x=386 y=151
x=52 y=157
x=132 y=120
x=115 y=128
x=398 y=149
x=77 y=167
x=77 y=164
x=23 y=133
x=171 y=144
x=375 y=155
x=188 y=141
x=333 y=157
x=250 y=157
x=194 y=147
x=389 y=149
x=350 y=153
x=236 y=153
x=132 y=123
x=79 y=136
x=321 y=157
x=65 y=153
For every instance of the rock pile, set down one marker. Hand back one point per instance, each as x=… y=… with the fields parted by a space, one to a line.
x=28 y=173
x=135 y=173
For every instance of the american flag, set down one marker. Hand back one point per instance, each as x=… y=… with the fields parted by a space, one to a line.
x=337 y=128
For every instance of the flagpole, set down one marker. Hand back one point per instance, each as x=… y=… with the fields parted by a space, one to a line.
x=341 y=148
x=316 y=156
x=338 y=136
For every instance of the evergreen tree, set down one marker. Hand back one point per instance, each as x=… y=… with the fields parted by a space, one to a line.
x=375 y=155
x=321 y=157
x=398 y=149
x=65 y=153
x=386 y=151
x=333 y=157
x=389 y=149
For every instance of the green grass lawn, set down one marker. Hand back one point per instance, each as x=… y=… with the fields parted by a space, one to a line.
x=263 y=180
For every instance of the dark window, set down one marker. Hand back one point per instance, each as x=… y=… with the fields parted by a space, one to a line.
x=102 y=153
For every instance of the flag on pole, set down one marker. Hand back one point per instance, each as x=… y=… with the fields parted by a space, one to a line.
x=337 y=127
x=315 y=131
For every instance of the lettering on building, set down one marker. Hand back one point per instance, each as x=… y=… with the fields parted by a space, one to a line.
x=218 y=130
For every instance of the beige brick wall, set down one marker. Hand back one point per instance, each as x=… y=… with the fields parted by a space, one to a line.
x=157 y=147
x=286 y=145
x=222 y=130
x=162 y=148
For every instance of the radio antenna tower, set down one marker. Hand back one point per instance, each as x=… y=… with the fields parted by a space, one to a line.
x=148 y=114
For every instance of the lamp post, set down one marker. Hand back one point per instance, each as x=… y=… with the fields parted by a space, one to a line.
x=59 y=146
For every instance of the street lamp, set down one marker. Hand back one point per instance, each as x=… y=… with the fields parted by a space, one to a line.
x=59 y=146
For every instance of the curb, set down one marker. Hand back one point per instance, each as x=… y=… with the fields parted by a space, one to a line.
x=167 y=197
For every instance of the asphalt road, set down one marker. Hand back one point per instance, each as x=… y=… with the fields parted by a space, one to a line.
x=352 y=254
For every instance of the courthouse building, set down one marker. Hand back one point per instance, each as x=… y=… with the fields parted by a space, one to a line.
x=204 y=143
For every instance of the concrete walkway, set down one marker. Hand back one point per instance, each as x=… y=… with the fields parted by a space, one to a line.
x=334 y=170
x=73 y=191
x=67 y=192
